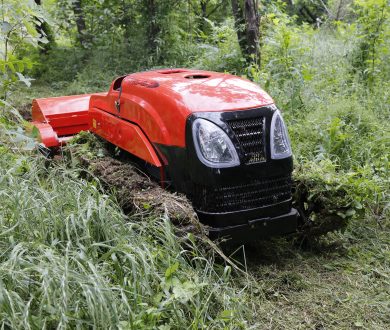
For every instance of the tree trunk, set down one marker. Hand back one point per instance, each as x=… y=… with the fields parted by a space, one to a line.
x=203 y=14
x=252 y=22
x=127 y=20
x=246 y=22
x=153 y=28
x=207 y=9
x=339 y=9
x=80 y=22
x=238 y=24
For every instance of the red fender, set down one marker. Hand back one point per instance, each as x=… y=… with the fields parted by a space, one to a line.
x=123 y=134
x=58 y=118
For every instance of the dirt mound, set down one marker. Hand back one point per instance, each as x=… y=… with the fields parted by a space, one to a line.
x=135 y=192
x=138 y=194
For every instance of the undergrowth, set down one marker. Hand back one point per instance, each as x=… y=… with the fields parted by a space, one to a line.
x=70 y=258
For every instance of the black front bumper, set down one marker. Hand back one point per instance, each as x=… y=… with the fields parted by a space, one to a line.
x=258 y=228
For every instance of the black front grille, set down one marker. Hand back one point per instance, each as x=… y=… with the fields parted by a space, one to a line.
x=250 y=135
x=257 y=193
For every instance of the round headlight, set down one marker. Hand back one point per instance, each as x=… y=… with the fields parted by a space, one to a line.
x=213 y=147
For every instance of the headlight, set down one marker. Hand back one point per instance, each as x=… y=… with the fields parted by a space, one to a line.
x=213 y=147
x=280 y=142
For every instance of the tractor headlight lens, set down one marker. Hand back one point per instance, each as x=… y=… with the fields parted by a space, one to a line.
x=213 y=147
x=280 y=142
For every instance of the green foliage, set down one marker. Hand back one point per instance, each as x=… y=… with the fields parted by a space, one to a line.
x=373 y=32
x=18 y=30
x=70 y=258
x=282 y=49
x=219 y=50
x=335 y=194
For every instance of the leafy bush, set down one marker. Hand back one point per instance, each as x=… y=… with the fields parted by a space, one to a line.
x=219 y=51
x=372 y=31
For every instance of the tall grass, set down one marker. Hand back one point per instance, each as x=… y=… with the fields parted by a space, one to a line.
x=71 y=259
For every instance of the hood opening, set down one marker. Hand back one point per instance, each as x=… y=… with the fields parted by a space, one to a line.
x=171 y=71
x=197 y=76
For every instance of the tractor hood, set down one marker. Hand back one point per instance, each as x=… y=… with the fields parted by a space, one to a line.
x=198 y=91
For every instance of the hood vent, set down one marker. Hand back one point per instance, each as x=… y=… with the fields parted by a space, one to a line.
x=197 y=76
x=171 y=71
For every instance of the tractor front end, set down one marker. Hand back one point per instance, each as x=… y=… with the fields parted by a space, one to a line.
x=236 y=169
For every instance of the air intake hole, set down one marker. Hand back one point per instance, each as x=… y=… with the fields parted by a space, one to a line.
x=171 y=71
x=197 y=76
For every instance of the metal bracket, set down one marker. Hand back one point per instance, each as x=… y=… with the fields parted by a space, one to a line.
x=118 y=105
x=118 y=101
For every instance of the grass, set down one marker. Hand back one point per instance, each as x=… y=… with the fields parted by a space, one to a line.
x=341 y=282
x=70 y=258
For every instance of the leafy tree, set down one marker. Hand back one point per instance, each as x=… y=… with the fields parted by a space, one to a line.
x=155 y=17
x=44 y=32
x=209 y=10
x=80 y=21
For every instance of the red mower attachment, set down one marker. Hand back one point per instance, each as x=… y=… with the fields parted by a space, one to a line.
x=59 y=118
x=217 y=138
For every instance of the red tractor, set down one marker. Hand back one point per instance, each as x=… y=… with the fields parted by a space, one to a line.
x=217 y=138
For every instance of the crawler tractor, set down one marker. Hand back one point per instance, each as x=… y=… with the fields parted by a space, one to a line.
x=217 y=138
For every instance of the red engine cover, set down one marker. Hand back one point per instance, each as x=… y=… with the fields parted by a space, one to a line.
x=160 y=101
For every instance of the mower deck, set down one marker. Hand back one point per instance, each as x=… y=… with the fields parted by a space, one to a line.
x=59 y=118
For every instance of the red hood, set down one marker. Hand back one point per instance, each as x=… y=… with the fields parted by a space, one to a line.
x=158 y=101
x=161 y=101
x=208 y=91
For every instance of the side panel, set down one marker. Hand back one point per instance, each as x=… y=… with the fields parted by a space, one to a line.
x=136 y=110
x=105 y=102
x=123 y=134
